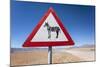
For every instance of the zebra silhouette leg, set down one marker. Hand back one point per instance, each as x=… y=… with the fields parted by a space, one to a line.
x=57 y=33
x=49 y=34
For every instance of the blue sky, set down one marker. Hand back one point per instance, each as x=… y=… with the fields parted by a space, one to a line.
x=78 y=20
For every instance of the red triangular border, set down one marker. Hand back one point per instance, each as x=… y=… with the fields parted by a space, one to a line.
x=28 y=42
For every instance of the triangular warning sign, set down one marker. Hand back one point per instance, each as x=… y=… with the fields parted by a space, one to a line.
x=49 y=32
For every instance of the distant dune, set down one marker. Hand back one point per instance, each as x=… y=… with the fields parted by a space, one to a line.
x=30 y=56
x=13 y=50
x=88 y=46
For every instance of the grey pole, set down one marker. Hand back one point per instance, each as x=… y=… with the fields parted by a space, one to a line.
x=50 y=55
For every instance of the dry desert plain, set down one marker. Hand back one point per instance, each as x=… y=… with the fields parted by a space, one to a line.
x=31 y=56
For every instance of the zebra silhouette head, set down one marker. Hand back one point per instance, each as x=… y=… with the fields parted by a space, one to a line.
x=46 y=24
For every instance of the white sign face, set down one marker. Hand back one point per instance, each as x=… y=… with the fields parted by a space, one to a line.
x=42 y=34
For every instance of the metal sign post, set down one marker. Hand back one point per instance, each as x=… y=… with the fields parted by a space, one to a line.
x=50 y=55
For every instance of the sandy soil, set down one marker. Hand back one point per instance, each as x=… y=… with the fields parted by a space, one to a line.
x=61 y=56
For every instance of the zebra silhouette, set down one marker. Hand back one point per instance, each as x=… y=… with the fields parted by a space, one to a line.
x=52 y=29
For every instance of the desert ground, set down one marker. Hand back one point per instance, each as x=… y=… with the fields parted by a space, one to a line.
x=34 y=57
